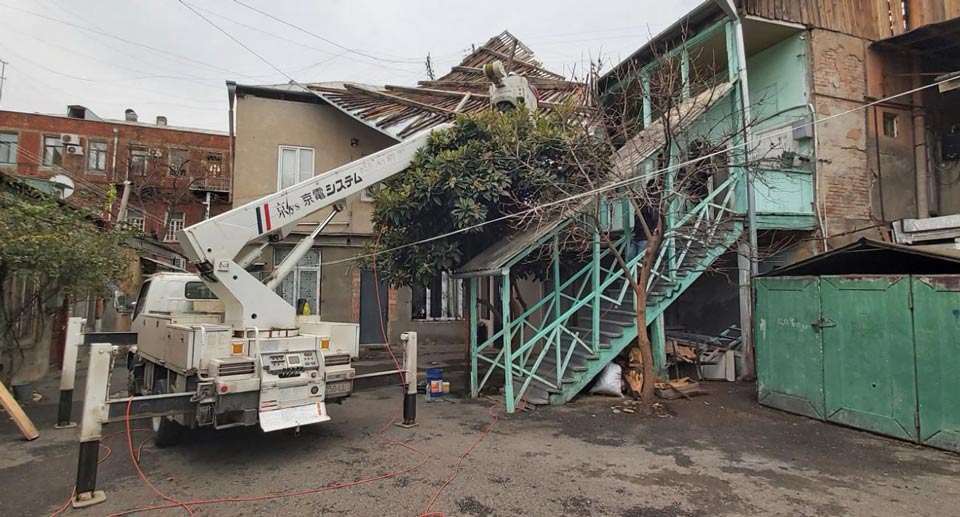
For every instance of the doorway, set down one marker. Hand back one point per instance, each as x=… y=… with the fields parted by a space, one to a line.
x=373 y=314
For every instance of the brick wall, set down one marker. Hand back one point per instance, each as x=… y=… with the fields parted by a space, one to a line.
x=839 y=84
x=154 y=189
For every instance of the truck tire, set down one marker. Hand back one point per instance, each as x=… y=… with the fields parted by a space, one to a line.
x=167 y=432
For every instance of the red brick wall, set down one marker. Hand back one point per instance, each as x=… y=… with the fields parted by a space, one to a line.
x=158 y=141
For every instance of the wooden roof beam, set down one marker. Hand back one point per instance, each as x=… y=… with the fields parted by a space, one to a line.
x=397 y=99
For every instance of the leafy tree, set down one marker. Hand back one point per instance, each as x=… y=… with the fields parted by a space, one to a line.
x=487 y=166
x=54 y=250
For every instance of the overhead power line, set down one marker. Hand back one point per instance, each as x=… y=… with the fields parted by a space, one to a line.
x=127 y=41
x=417 y=61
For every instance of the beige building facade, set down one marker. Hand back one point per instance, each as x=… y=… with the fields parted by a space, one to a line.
x=282 y=135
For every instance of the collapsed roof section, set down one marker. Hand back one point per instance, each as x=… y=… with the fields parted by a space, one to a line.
x=401 y=111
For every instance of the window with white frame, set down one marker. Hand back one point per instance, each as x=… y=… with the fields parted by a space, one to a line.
x=295 y=164
x=52 y=151
x=135 y=219
x=139 y=159
x=443 y=300
x=97 y=157
x=174 y=225
x=8 y=148
x=302 y=286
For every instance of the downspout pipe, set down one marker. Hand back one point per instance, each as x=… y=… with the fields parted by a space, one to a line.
x=730 y=10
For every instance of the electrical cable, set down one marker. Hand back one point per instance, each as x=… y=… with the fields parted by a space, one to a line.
x=129 y=42
x=326 y=40
x=635 y=179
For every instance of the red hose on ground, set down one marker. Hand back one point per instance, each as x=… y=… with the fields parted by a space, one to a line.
x=175 y=503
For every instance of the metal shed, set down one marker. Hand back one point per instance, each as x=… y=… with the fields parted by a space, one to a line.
x=868 y=336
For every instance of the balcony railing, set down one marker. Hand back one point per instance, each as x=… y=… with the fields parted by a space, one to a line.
x=212 y=184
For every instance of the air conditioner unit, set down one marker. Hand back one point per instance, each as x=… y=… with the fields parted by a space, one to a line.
x=157 y=153
x=67 y=138
x=75 y=149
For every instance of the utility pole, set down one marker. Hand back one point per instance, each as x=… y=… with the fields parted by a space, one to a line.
x=3 y=69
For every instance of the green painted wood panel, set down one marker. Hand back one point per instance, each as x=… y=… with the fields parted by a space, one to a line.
x=789 y=354
x=868 y=353
x=936 y=301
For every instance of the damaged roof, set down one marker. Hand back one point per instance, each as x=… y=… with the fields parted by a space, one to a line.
x=401 y=111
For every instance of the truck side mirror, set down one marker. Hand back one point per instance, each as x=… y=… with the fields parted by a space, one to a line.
x=120 y=303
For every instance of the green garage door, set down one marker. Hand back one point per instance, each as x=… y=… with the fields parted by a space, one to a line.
x=868 y=353
x=936 y=301
x=789 y=354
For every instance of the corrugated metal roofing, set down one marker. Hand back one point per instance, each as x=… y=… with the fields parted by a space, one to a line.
x=870 y=257
x=496 y=257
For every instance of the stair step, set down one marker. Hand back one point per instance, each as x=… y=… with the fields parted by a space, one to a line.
x=576 y=363
x=587 y=331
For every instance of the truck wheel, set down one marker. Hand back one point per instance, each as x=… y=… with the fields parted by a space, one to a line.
x=166 y=430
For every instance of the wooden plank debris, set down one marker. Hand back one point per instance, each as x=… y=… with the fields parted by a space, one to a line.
x=20 y=418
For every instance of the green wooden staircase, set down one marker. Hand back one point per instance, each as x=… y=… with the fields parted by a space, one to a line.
x=551 y=352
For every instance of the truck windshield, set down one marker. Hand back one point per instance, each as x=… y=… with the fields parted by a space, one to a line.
x=198 y=291
x=141 y=298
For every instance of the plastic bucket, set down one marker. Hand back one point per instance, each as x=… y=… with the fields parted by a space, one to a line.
x=434 y=382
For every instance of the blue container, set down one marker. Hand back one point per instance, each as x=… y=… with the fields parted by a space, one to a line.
x=434 y=383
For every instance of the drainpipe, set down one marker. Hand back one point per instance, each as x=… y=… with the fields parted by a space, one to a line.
x=231 y=98
x=116 y=144
x=747 y=266
x=920 y=146
x=731 y=11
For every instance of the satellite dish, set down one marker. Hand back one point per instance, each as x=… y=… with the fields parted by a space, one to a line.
x=65 y=183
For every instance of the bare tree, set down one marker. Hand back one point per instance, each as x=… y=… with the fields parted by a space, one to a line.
x=672 y=151
x=164 y=183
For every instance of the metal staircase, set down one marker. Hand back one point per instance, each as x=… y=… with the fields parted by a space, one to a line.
x=551 y=351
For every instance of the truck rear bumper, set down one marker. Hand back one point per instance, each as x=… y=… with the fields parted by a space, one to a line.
x=286 y=418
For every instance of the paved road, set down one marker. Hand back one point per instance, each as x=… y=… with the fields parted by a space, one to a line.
x=719 y=455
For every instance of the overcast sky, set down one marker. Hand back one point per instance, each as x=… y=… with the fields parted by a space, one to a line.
x=159 y=58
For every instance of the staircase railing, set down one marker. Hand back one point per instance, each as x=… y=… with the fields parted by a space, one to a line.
x=548 y=332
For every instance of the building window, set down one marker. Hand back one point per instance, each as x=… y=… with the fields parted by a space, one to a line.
x=52 y=151
x=369 y=193
x=139 y=158
x=8 y=148
x=174 y=225
x=97 y=157
x=214 y=164
x=301 y=287
x=891 y=124
x=443 y=300
x=135 y=219
x=179 y=162
x=295 y=165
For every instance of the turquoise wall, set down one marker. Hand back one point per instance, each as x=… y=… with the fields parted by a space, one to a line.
x=779 y=94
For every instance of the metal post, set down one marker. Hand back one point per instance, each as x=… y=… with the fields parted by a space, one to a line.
x=124 y=200
x=647 y=105
x=507 y=340
x=94 y=407
x=659 y=341
x=410 y=359
x=3 y=76
x=595 y=280
x=69 y=372
x=473 y=286
x=557 y=309
x=685 y=72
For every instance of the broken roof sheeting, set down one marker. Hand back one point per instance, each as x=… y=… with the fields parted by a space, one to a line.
x=491 y=260
x=402 y=111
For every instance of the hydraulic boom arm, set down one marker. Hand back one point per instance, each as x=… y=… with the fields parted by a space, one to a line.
x=214 y=245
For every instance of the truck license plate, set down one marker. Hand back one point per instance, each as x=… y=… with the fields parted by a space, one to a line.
x=339 y=388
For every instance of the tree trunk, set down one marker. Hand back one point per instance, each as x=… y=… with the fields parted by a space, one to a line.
x=646 y=355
